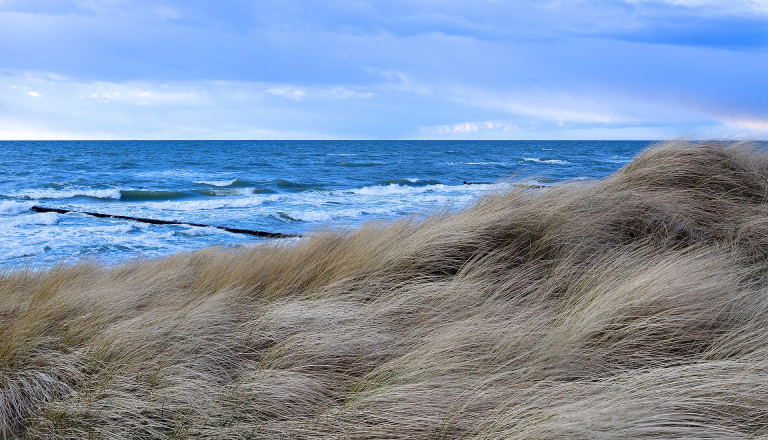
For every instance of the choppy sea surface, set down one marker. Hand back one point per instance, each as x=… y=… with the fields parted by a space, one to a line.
x=290 y=187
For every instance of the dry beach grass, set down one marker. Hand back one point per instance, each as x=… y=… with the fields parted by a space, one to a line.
x=632 y=307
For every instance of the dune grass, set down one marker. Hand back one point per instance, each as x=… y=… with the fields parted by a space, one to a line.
x=632 y=307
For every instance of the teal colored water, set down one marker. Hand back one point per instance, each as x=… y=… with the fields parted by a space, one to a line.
x=281 y=186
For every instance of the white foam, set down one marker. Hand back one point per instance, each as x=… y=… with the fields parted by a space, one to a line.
x=23 y=251
x=197 y=231
x=400 y=190
x=325 y=215
x=549 y=161
x=36 y=194
x=224 y=202
x=13 y=207
x=45 y=219
x=216 y=182
x=617 y=159
x=175 y=173
x=118 y=229
x=394 y=189
x=233 y=191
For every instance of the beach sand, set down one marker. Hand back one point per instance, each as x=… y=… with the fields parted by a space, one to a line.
x=635 y=306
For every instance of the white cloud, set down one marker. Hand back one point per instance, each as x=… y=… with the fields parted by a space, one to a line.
x=287 y=92
x=587 y=107
x=554 y=106
x=15 y=129
x=470 y=127
x=759 y=125
x=167 y=110
x=242 y=110
x=722 y=6
x=298 y=94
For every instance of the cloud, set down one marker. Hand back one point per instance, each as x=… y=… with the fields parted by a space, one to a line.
x=759 y=126
x=735 y=7
x=362 y=68
x=248 y=110
x=470 y=127
x=196 y=109
x=298 y=94
x=466 y=127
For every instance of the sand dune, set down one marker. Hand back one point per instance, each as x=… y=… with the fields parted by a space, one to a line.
x=632 y=307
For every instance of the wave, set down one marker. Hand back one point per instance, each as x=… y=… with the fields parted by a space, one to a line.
x=223 y=183
x=498 y=164
x=234 y=191
x=13 y=207
x=197 y=231
x=285 y=216
x=24 y=251
x=42 y=219
x=616 y=159
x=296 y=186
x=394 y=189
x=65 y=183
x=485 y=163
x=218 y=203
x=549 y=161
x=118 y=228
x=38 y=194
x=319 y=216
x=410 y=182
x=148 y=196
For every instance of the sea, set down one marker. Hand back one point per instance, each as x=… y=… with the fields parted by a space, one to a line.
x=285 y=187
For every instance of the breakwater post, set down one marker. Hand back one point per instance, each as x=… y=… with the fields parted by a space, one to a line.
x=152 y=221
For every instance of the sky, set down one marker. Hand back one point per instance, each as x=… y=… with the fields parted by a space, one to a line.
x=383 y=69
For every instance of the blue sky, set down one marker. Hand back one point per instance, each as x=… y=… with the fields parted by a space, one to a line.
x=385 y=69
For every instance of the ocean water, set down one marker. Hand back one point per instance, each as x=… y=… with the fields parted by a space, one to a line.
x=291 y=187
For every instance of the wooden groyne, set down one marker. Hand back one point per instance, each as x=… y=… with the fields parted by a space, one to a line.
x=153 y=221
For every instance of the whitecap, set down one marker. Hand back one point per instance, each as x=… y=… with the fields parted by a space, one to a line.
x=232 y=191
x=37 y=194
x=197 y=231
x=549 y=161
x=43 y=219
x=216 y=182
x=325 y=215
x=13 y=207
x=23 y=251
x=206 y=205
x=394 y=189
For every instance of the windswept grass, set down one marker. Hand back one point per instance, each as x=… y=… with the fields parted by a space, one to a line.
x=633 y=307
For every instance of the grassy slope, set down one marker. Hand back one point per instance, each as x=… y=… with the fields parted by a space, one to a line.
x=632 y=307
